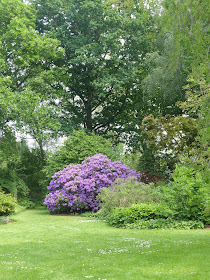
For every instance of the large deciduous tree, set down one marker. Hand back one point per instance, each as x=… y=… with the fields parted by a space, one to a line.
x=105 y=45
x=27 y=58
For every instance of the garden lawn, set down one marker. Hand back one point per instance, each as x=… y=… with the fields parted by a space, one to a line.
x=43 y=246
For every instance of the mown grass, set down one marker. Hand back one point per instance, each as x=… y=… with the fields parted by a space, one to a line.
x=42 y=246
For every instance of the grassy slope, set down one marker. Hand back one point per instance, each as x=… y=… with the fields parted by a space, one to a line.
x=40 y=246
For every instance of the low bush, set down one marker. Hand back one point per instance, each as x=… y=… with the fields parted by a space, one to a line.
x=124 y=193
x=120 y=216
x=206 y=213
x=27 y=203
x=7 y=204
x=165 y=224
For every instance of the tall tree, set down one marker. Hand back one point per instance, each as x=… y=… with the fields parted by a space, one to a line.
x=163 y=86
x=180 y=58
x=188 y=21
x=105 y=46
x=182 y=49
x=27 y=58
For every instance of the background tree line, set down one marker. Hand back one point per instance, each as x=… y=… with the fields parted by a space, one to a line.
x=132 y=72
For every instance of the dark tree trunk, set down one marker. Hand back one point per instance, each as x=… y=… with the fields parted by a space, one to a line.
x=88 y=121
x=88 y=109
x=42 y=152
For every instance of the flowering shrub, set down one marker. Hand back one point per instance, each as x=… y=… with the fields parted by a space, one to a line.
x=75 y=187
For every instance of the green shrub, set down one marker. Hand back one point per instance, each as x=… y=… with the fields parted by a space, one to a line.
x=101 y=214
x=30 y=170
x=120 y=216
x=7 y=204
x=26 y=203
x=187 y=194
x=10 y=179
x=126 y=192
x=206 y=212
x=77 y=147
x=12 y=183
x=165 y=224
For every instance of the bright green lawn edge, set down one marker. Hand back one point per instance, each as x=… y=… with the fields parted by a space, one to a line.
x=43 y=246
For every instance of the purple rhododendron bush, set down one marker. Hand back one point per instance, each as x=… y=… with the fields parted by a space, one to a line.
x=74 y=189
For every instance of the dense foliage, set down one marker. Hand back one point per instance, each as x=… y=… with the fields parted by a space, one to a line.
x=10 y=179
x=165 y=138
x=26 y=59
x=182 y=204
x=165 y=224
x=75 y=187
x=150 y=216
x=105 y=46
x=29 y=168
x=77 y=147
x=187 y=194
x=120 y=216
x=125 y=192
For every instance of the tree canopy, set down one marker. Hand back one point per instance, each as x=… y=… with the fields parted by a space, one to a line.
x=26 y=59
x=105 y=47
